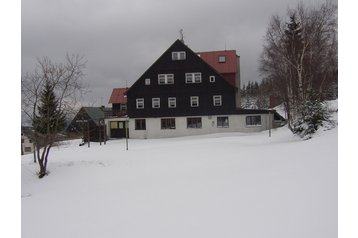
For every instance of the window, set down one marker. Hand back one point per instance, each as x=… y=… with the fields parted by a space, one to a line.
x=223 y=122
x=253 y=121
x=193 y=122
x=114 y=125
x=123 y=107
x=217 y=100
x=27 y=149
x=172 y=102
x=147 y=81
x=140 y=124
x=194 y=101
x=193 y=78
x=140 y=103
x=168 y=123
x=165 y=78
x=222 y=59
x=155 y=102
x=212 y=79
x=179 y=55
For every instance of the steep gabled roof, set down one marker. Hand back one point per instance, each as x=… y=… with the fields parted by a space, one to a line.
x=212 y=58
x=178 y=45
x=118 y=96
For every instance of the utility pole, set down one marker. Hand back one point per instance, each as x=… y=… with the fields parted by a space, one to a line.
x=99 y=131
x=104 y=133
x=270 y=122
x=126 y=128
x=88 y=134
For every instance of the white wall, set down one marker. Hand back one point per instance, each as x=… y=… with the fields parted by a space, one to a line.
x=27 y=144
x=237 y=123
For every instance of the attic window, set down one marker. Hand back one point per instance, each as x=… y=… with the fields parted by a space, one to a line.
x=193 y=77
x=178 y=55
x=147 y=81
x=165 y=78
x=222 y=59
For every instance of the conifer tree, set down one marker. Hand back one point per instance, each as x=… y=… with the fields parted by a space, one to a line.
x=48 y=95
x=49 y=120
x=47 y=123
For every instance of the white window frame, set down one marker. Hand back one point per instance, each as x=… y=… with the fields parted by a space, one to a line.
x=217 y=100
x=179 y=55
x=212 y=79
x=193 y=77
x=140 y=103
x=222 y=59
x=165 y=79
x=172 y=102
x=194 y=100
x=147 y=81
x=155 y=102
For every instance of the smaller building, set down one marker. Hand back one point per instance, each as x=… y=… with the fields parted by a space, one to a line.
x=89 y=123
x=118 y=121
x=27 y=146
x=118 y=100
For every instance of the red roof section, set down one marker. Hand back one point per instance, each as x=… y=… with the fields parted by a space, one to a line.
x=212 y=58
x=118 y=96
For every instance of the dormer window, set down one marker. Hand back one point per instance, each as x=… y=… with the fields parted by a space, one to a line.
x=178 y=55
x=222 y=59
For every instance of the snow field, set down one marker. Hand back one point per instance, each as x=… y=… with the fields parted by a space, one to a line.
x=221 y=185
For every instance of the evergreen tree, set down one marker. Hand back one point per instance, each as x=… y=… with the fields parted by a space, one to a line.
x=312 y=115
x=49 y=119
x=47 y=123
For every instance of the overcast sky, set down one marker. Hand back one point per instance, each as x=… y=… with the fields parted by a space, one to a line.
x=121 y=39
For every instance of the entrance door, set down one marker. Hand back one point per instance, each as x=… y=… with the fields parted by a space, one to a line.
x=118 y=129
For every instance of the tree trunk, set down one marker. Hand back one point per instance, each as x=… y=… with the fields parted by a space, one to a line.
x=43 y=161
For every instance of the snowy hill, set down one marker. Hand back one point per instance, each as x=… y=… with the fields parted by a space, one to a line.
x=221 y=185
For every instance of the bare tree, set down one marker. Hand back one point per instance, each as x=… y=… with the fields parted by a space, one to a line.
x=300 y=56
x=65 y=82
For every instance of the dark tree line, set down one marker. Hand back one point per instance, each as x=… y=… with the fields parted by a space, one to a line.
x=300 y=57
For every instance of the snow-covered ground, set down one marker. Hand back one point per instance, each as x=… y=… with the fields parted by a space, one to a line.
x=221 y=185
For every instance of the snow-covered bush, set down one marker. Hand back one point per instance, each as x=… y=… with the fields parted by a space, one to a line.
x=311 y=115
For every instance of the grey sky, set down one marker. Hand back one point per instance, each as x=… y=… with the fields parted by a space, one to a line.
x=121 y=39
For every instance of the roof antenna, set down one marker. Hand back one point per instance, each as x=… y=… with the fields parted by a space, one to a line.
x=181 y=35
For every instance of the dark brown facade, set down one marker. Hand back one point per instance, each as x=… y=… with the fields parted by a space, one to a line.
x=209 y=89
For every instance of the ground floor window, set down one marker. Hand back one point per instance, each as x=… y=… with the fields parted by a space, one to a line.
x=140 y=124
x=194 y=122
x=223 y=122
x=253 y=121
x=167 y=123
